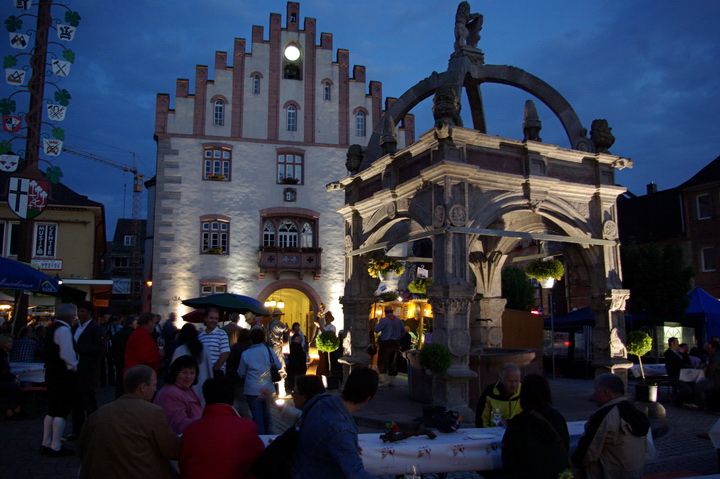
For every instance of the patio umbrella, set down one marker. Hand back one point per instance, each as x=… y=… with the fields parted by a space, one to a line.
x=228 y=302
x=17 y=275
x=195 y=316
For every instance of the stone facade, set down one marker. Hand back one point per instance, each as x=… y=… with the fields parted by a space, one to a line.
x=241 y=109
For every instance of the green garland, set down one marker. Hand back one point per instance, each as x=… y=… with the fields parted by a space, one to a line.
x=327 y=342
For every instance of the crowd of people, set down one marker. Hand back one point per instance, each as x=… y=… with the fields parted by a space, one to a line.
x=679 y=356
x=218 y=385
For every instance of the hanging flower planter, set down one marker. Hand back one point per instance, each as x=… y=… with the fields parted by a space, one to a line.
x=545 y=272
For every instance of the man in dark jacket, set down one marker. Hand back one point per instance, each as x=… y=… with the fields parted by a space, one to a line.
x=674 y=362
x=90 y=345
x=500 y=402
x=615 y=440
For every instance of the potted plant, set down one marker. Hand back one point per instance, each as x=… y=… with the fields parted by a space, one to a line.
x=379 y=267
x=215 y=251
x=419 y=286
x=545 y=271
x=327 y=343
x=435 y=358
x=216 y=177
x=639 y=343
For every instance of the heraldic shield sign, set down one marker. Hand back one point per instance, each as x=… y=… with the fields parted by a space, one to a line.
x=28 y=197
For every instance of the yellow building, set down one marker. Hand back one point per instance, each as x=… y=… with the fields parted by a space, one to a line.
x=68 y=239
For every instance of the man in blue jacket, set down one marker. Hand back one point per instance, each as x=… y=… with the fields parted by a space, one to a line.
x=328 y=444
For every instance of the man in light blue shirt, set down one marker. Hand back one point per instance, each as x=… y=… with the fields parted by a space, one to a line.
x=391 y=328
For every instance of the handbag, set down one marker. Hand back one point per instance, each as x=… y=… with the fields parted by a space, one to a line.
x=274 y=371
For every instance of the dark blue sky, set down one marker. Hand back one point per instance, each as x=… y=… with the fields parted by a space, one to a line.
x=649 y=67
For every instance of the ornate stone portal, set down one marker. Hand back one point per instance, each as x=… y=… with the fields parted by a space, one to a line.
x=476 y=197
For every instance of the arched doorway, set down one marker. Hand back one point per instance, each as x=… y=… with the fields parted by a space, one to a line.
x=297 y=301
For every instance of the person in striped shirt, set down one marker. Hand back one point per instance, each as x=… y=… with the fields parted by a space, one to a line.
x=215 y=340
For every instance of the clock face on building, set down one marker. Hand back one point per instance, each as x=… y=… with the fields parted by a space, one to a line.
x=292 y=53
x=290 y=194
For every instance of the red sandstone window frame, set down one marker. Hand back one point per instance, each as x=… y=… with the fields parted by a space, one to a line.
x=216 y=162
x=361 y=115
x=215 y=234
x=302 y=235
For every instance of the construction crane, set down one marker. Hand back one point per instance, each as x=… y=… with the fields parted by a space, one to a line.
x=137 y=176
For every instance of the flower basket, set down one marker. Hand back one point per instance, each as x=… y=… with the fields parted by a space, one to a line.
x=327 y=342
x=215 y=251
x=541 y=270
x=419 y=285
x=216 y=177
x=436 y=358
x=381 y=266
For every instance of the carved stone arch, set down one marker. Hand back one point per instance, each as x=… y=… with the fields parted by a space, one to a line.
x=471 y=77
x=383 y=232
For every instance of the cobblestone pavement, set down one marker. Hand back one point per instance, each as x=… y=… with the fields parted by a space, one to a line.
x=679 y=450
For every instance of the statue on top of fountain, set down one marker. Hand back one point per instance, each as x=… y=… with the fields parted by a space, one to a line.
x=467 y=27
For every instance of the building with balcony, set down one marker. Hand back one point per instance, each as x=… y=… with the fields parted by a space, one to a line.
x=239 y=202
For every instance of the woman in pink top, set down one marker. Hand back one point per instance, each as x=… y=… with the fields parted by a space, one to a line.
x=181 y=404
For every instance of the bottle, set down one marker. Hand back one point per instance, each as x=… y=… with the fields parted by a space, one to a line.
x=496 y=418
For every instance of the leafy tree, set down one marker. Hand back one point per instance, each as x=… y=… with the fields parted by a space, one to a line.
x=517 y=289
x=658 y=281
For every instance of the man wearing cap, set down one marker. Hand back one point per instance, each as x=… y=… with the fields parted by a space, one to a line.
x=61 y=362
x=391 y=329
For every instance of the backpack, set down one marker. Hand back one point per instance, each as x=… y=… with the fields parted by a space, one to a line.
x=275 y=462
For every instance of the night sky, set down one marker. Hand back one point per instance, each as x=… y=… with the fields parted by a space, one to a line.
x=650 y=68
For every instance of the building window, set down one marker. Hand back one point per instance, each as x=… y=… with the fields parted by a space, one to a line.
x=708 y=259
x=216 y=163
x=704 y=206
x=121 y=262
x=290 y=168
x=327 y=91
x=287 y=234
x=306 y=236
x=9 y=238
x=291 y=118
x=129 y=240
x=255 y=83
x=214 y=236
x=360 y=123
x=268 y=234
x=208 y=288
x=288 y=231
x=218 y=113
x=45 y=240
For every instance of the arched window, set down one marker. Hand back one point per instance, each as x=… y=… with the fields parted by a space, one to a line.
x=287 y=234
x=268 y=234
x=360 y=123
x=219 y=112
x=306 y=236
x=327 y=91
x=292 y=118
x=256 y=84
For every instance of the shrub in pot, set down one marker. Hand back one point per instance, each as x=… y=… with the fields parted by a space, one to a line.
x=639 y=343
x=436 y=358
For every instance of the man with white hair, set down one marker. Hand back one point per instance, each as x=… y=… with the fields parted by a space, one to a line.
x=500 y=402
x=61 y=361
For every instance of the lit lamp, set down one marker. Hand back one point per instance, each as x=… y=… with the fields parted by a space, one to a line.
x=270 y=303
x=281 y=304
x=148 y=283
x=5 y=307
x=292 y=53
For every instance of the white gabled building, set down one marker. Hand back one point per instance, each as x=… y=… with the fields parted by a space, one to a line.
x=239 y=201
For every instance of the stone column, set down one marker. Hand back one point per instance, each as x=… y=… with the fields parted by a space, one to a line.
x=489 y=328
x=486 y=329
x=609 y=353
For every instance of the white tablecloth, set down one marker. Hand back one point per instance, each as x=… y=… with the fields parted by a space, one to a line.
x=650 y=370
x=28 y=372
x=464 y=450
x=692 y=375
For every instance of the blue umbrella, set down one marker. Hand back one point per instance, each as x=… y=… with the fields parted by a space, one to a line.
x=17 y=275
x=233 y=303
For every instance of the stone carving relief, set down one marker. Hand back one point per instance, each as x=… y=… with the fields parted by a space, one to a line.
x=438 y=216
x=601 y=135
x=449 y=306
x=582 y=208
x=617 y=299
x=610 y=230
x=348 y=244
x=354 y=158
x=617 y=347
x=459 y=342
x=446 y=107
x=467 y=27
x=391 y=210
x=457 y=215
